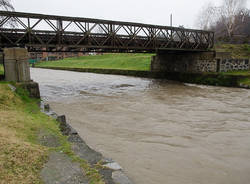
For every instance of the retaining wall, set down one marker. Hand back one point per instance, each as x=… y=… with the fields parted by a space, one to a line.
x=233 y=64
x=205 y=66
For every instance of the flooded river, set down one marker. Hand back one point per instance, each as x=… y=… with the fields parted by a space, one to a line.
x=160 y=132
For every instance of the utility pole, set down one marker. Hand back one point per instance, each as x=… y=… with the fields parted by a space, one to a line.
x=171 y=24
x=171 y=19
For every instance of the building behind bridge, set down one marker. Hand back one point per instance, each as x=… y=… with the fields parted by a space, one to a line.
x=52 y=56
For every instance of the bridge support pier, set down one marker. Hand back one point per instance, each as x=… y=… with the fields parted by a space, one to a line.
x=189 y=62
x=16 y=65
x=17 y=69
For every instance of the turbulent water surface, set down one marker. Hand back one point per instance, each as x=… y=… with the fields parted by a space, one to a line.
x=159 y=131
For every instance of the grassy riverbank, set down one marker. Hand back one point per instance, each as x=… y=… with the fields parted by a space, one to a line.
x=106 y=61
x=22 y=128
x=244 y=74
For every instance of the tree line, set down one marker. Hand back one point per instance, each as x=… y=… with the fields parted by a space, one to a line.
x=230 y=21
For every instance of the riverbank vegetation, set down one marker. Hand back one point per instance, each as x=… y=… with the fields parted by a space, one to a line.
x=245 y=80
x=22 y=155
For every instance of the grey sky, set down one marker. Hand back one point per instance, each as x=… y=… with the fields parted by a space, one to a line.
x=143 y=11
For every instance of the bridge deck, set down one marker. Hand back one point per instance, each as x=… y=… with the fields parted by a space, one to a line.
x=59 y=33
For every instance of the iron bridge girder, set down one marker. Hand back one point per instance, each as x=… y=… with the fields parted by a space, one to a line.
x=39 y=32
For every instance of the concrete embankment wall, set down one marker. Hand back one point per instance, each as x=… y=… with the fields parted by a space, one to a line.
x=196 y=78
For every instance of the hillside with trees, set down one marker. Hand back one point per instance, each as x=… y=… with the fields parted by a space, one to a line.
x=230 y=21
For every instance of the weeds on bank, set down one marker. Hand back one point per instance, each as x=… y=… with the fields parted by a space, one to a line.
x=245 y=81
x=241 y=73
x=245 y=74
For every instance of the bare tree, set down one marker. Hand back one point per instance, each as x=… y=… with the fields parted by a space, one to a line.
x=242 y=22
x=228 y=12
x=230 y=18
x=6 y=5
x=207 y=16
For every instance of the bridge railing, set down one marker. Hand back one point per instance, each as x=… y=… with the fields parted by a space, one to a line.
x=60 y=33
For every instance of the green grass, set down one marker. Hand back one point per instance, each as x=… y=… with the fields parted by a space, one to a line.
x=21 y=154
x=239 y=73
x=237 y=50
x=105 y=61
x=245 y=81
x=1 y=69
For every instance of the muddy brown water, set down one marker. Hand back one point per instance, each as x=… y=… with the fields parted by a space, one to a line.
x=160 y=132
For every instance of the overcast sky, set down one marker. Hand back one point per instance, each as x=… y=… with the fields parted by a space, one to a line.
x=141 y=11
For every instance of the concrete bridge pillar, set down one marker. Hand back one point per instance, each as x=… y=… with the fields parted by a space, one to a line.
x=190 y=62
x=16 y=65
x=16 y=68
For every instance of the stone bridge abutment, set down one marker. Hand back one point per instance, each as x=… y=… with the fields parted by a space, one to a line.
x=189 y=62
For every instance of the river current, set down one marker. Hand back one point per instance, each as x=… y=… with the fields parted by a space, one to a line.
x=160 y=132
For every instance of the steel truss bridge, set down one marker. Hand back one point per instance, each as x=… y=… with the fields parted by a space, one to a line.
x=39 y=32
